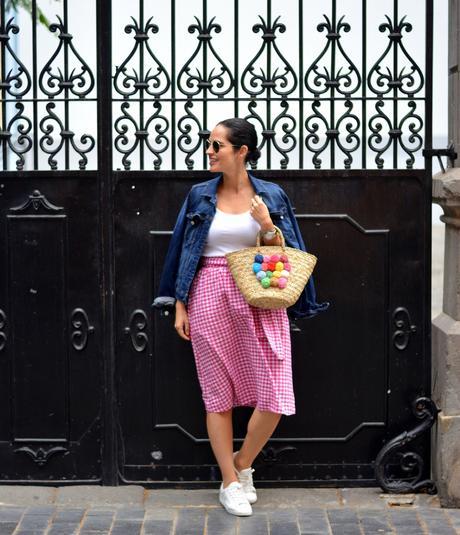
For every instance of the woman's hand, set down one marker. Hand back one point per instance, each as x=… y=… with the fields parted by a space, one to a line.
x=181 y=323
x=260 y=213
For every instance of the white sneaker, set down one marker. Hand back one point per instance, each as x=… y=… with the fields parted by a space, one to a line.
x=234 y=499
x=245 y=478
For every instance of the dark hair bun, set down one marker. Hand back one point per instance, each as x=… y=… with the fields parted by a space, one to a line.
x=242 y=132
x=253 y=155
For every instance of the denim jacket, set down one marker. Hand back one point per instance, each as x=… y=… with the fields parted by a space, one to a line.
x=191 y=230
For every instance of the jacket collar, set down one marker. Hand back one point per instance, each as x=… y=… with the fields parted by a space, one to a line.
x=211 y=189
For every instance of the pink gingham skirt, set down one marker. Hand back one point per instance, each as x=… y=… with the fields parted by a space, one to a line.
x=242 y=353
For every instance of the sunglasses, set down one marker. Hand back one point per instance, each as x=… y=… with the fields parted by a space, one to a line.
x=216 y=145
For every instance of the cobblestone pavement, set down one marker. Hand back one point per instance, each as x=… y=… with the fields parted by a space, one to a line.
x=133 y=510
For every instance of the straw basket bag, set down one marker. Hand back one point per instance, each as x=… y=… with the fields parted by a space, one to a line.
x=255 y=269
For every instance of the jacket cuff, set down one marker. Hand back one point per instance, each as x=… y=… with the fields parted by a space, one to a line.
x=163 y=302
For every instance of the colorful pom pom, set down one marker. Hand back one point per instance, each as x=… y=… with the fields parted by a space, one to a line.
x=266 y=258
x=266 y=282
x=269 y=274
x=259 y=258
x=256 y=267
x=285 y=274
x=264 y=266
x=274 y=258
x=277 y=274
x=287 y=266
x=261 y=275
x=274 y=282
x=281 y=282
x=284 y=258
x=279 y=266
x=271 y=266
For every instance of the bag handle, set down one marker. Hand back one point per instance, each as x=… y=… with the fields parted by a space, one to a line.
x=278 y=231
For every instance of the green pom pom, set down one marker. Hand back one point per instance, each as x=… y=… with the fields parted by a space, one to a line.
x=269 y=274
x=265 y=282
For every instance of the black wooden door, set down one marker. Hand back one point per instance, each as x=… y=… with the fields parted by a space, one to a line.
x=50 y=358
x=357 y=368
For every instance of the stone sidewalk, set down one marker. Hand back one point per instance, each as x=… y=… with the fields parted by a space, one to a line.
x=133 y=510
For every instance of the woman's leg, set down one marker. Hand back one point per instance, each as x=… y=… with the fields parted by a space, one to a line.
x=220 y=432
x=261 y=426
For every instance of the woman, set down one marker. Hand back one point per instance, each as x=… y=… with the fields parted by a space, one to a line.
x=242 y=353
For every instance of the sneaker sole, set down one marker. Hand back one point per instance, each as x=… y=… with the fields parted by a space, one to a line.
x=235 y=513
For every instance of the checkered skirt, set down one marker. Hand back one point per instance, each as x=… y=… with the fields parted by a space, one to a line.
x=242 y=353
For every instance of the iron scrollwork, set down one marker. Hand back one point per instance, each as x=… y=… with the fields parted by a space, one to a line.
x=401 y=471
x=3 y=336
x=281 y=83
x=53 y=82
x=217 y=83
x=386 y=128
x=324 y=78
x=18 y=83
x=37 y=201
x=404 y=328
x=136 y=330
x=271 y=455
x=80 y=329
x=151 y=80
x=41 y=455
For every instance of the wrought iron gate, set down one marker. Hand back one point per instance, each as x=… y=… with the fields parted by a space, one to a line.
x=96 y=387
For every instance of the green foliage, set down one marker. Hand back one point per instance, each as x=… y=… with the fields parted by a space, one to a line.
x=27 y=6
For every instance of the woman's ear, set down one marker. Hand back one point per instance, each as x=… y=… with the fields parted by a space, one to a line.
x=244 y=149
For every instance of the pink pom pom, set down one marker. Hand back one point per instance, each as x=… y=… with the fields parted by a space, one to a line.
x=282 y=282
x=274 y=258
x=284 y=258
x=266 y=259
x=264 y=266
x=287 y=266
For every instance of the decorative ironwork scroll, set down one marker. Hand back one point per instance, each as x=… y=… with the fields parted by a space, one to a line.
x=404 y=328
x=398 y=470
x=271 y=456
x=80 y=329
x=333 y=103
x=387 y=77
x=65 y=77
x=136 y=330
x=3 y=336
x=39 y=454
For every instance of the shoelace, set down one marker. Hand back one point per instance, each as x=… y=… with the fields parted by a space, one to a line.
x=237 y=492
x=246 y=478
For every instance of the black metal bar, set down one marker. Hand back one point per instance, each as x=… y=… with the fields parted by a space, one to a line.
x=332 y=110
x=205 y=77
x=173 y=84
x=269 y=76
x=236 y=57
x=429 y=94
x=104 y=108
x=4 y=123
x=301 y=95
x=395 y=89
x=35 y=84
x=364 y=85
x=66 y=88
x=141 y=89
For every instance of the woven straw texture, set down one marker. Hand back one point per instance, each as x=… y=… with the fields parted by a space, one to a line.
x=240 y=264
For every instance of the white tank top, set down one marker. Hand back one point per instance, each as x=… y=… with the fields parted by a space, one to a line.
x=230 y=232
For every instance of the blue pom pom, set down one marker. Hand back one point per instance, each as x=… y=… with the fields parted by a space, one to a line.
x=259 y=258
x=261 y=275
x=256 y=267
